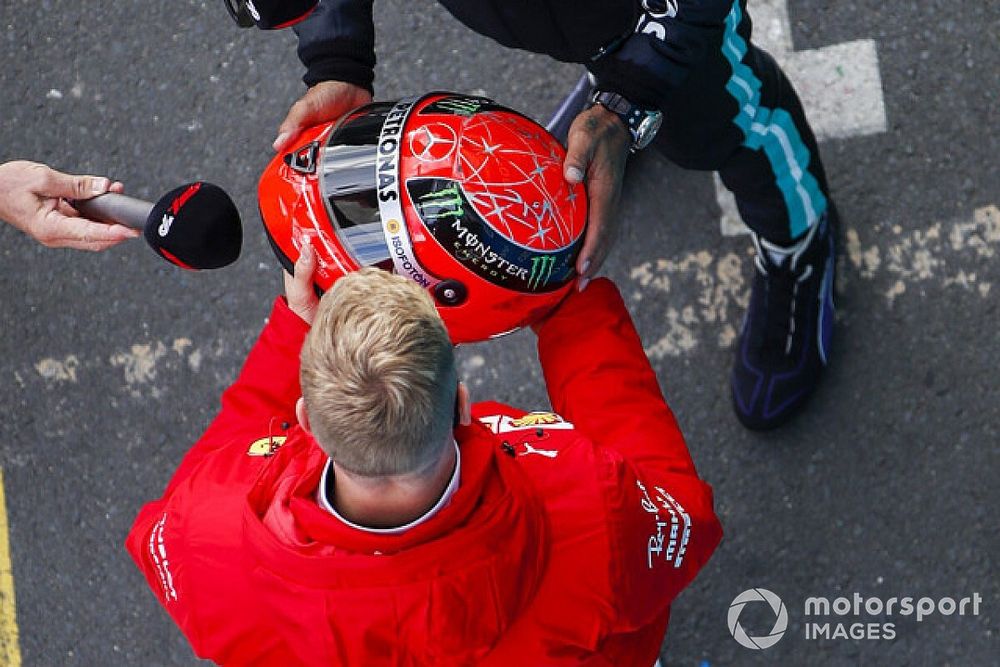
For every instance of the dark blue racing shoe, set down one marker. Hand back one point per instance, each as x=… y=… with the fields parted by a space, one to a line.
x=785 y=342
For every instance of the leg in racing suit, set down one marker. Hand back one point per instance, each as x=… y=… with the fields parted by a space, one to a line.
x=708 y=126
x=728 y=107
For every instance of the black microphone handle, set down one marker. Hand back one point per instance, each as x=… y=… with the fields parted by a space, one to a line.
x=112 y=207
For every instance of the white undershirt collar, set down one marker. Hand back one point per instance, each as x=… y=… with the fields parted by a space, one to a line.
x=442 y=502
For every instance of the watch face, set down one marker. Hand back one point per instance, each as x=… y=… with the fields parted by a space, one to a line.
x=647 y=130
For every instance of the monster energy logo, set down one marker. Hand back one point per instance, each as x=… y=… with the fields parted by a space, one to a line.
x=462 y=106
x=541 y=270
x=453 y=221
x=447 y=203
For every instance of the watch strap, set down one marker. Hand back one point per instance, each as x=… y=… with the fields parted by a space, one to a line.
x=641 y=123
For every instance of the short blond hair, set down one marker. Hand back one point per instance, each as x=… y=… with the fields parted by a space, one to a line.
x=378 y=375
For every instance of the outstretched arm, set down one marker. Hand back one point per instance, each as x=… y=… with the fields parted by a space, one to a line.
x=34 y=201
x=164 y=535
x=599 y=378
x=663 y=522
x=673 y=39
x=337 y=46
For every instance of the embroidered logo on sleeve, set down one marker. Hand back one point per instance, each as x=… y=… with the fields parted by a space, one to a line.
x=499 y=424
x=266 y=446
x=158 y=554
x=668 y=517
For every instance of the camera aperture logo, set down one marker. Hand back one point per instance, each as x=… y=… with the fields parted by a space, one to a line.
x=757 y=595
x=855 y=617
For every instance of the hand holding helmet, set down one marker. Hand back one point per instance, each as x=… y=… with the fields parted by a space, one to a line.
x=325 y=101
x=463 y=196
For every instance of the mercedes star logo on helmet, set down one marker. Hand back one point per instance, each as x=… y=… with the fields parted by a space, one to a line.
x=433 y=142
x=780 y=620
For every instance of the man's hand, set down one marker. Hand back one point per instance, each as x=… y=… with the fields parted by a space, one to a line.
x=324 y=102
x=299 y=291
x=598 y=146
x=34 y=201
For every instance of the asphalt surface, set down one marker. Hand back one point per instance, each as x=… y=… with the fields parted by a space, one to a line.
x=113 y=363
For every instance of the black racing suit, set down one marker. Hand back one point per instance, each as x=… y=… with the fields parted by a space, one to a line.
x=727 y=105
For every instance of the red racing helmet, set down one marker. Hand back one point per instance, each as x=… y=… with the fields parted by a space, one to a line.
x=461 y=195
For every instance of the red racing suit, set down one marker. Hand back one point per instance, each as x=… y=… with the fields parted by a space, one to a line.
x=570 y=534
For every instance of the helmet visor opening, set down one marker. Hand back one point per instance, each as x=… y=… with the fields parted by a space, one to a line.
x=347 y=182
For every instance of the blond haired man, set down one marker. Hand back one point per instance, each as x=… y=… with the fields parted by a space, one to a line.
x=381 y=519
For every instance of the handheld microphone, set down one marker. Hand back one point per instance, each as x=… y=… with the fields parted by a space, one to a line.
x=195 y=226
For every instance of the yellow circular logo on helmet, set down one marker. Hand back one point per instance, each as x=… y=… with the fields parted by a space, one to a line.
x=393 y=226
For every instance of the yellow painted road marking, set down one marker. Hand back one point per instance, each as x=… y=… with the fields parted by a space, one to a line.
x=10 y=651
x=708 y=292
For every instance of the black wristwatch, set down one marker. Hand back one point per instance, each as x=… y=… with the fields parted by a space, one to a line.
x=642 y=123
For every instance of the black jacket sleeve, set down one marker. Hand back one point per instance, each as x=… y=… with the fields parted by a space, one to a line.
x=337 y=43
x=663 y=53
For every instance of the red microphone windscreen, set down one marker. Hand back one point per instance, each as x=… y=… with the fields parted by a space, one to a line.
x=196 y=226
